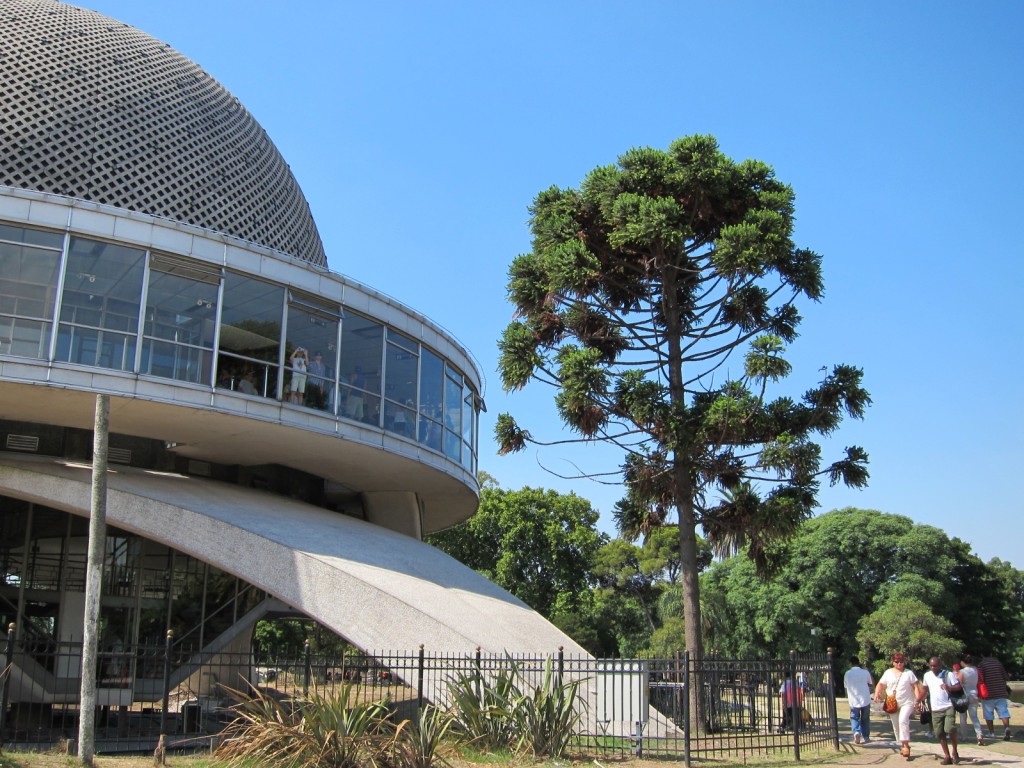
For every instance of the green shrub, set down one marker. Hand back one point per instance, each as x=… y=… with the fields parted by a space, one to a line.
x=322 y=731
x=494 y=714
x=419 y=741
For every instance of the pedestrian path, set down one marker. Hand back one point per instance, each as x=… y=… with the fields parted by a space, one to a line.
x=925 y=752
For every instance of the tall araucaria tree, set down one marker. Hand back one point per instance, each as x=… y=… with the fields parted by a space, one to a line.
x=640 y=287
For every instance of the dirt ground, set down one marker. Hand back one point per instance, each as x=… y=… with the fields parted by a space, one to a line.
x=880 y=751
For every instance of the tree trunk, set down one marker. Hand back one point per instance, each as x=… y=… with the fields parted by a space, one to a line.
x=690 y=581
x=94 y=583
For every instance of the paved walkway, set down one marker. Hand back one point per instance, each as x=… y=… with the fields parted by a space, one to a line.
x=926 y=752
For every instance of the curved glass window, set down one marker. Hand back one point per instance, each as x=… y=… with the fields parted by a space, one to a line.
x=468 y=426
x=452 y=413
x=431 y=399
x=362 y=348
x=99 y=313
x=401 y=366
x=29 y=263
x=181 y=317
x=311 y=353
x=350 y=365
x=250 y=336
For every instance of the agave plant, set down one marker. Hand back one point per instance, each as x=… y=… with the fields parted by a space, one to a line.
x=495 y=714
x=348 y=735
x=547 y=717
x=419 y=741
x=482 y=707
x=319 y=731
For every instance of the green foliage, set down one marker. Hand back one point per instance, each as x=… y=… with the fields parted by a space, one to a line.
x=849 y=564
x=482 y=708
x=501 y=710
x=909 y=626
x=419 y=742
x=639 y=287
x=323 y=730
x=538 y=544
x=287 y=638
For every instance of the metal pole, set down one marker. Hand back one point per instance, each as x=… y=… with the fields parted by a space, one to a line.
x=308 y=669
x=686 y=708
x=167 y=681
x=830 y=698
x=419 y=682
x=791 y=700
x=94 y=583
x=8 y=668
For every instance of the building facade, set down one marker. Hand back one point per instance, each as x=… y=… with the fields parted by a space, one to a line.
x=281 y=436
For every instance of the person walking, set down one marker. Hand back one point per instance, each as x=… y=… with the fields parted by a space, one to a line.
x=902 y=683
x=938 y=680
x=968 y=675
x=995 y=695
x=858 y=681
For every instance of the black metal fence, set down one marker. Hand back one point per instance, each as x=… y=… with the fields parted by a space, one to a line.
x=679 y=707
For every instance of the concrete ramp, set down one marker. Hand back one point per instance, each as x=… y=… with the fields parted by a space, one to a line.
x=379 y=589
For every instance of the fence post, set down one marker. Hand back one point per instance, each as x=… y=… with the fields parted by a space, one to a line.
x=8 y=669
x=167 y=683
x=479 y=677
x=561 y=664
x=686 y=708
x=830 y=692
x=792 y=704
x=308 y=671
x=419 y=681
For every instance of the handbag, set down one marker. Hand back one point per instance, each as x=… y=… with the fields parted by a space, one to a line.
x=982 y=688
x=926 y=714
x=891 y=706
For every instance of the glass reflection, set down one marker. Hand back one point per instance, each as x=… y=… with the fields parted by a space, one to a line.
x=99 y=314
x=250 y=336
x=401 y=364
x=431 y=399
x=362 y=343
x=29 y=261
x=375 y=375
x=181 y=314
x=312 y=339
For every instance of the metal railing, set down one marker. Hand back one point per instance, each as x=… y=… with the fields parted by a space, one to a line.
x=679 y=707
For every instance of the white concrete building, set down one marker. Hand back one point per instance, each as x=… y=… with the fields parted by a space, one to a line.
x=154 y=246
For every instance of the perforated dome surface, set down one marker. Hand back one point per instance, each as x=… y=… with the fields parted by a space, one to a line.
x=95 y=109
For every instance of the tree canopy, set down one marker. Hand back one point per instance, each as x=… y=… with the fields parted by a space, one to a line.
x=538 y=544
x=640 y=287
x=846 y=574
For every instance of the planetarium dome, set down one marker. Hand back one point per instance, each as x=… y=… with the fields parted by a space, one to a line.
x=95 y=109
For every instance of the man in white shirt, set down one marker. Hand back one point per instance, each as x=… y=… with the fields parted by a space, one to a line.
x=857 y=682
x=939 y=680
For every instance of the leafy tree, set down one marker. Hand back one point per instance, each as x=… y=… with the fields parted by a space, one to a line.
x=617 y=569
x=538 y=544
x=847 y=564
x=908 y=626
x=640 y=287
x=1012 y=582
x=660 y=554
x=280 y=638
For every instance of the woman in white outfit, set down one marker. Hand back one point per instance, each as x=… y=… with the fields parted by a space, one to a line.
x=968 y=675
x=902 y=683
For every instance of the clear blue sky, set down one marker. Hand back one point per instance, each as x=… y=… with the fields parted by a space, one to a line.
x=420 y=132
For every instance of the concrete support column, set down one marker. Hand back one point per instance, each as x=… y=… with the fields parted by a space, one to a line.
x=397 y=510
